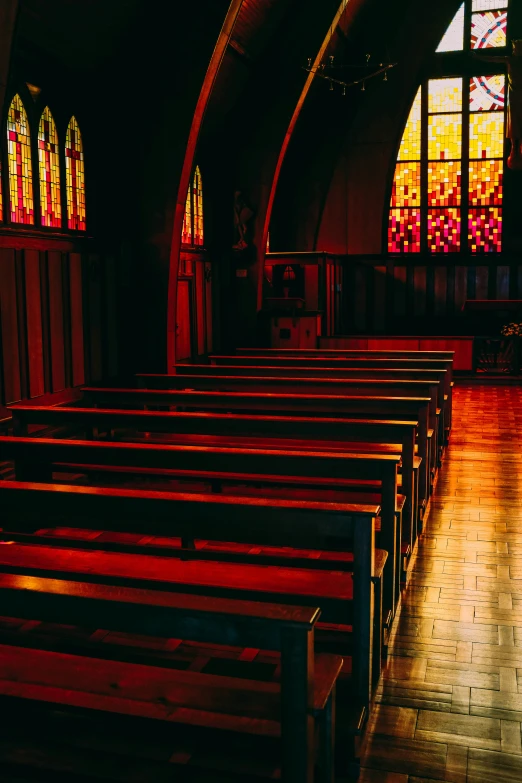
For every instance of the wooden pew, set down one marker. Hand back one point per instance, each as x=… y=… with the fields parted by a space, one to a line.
x=307 y=686
x=290 y=385
x=34 y=460
x=262 y=521
x=437 y=377
x=239 y=430
x=375 y=407
x=360 y=359
x=343 y=352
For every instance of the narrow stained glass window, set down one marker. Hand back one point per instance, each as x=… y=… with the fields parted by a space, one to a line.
x=192 y=232
x=198 y=208
x=453 y=39
x=21 y=205
x=49 y=163
x=186 y=234
x=75 y=177
x=488 y=5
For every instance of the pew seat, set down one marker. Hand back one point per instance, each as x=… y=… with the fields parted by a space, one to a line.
x=293 y=709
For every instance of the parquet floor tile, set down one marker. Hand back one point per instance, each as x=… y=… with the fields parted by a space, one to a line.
x=449 y=704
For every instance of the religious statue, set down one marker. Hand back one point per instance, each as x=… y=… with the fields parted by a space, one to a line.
x=242 y=214
x=513 y=63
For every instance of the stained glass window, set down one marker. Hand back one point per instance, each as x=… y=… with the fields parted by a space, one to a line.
x=447 y=190
x=21 y=205
x=488 y=29
x=453 y=39
x=192 y=232
x=186 y=234
x=444 y=230
x=487 y=93
x=49 y=164
x=410 y=148
x=198 y=208
x=444 y=184
x=75 y=177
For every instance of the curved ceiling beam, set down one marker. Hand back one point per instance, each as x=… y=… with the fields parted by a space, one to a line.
x=188 y=164
x=295 y=116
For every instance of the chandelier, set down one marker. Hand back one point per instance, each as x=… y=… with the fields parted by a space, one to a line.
x=332 y=73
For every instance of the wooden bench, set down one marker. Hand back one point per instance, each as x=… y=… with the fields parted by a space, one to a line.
x=435 y=379
x=360 y=360
x=307 y=686
x=346 y=597
x=34 y=459
x=236 y=430
x=378 y=407
x=349 y=386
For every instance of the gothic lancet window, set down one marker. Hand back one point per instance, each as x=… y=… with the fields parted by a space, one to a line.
x=447 y=188
x=192 y=233
x=75 y=177
x=49 y=164
x=21 y=204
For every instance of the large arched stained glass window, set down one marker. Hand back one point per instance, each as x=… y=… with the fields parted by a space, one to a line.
x=49 y=164
x=75 y=177
x=21 y=204
x=447 y=189
x=193 y=233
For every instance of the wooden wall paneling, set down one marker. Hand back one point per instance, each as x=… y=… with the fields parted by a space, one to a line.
x=419 y=282
x=450 y=290
x=11 y=391
x=361 y=295
x=482 y=278
x=503 y=276
x=200 y=306
x=393 y=344
x=111 y=337
x=76 y=310
x=471 y=282
x=95 y=317
x=399 y=294
x=33 y=301
x=440 y=290
x=430 y=291
x=513 y=281
x=22 y=324
x=461 y=287
x=379 y=298
x=209 y=313
x=519 y=282
x=46 y=316
x=67 y=328
x=56 y=320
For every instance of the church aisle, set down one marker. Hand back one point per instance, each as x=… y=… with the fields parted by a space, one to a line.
x=450 y=702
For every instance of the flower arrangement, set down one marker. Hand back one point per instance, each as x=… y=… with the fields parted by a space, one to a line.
x=512 y=330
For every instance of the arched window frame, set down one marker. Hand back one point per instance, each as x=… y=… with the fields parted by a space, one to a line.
x=34 y=107
x=28 y=189
x=49 y=163
x=458 y=64
x=81 y=189
x=193 y=232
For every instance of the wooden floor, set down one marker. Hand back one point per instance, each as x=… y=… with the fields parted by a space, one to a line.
x=450 y=704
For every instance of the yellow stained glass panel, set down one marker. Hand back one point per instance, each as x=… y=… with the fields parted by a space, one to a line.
x=444 y=136
x=21 y=204
x=410 y=148
x=444 y=95
x=485 y=182
x=486 y=135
